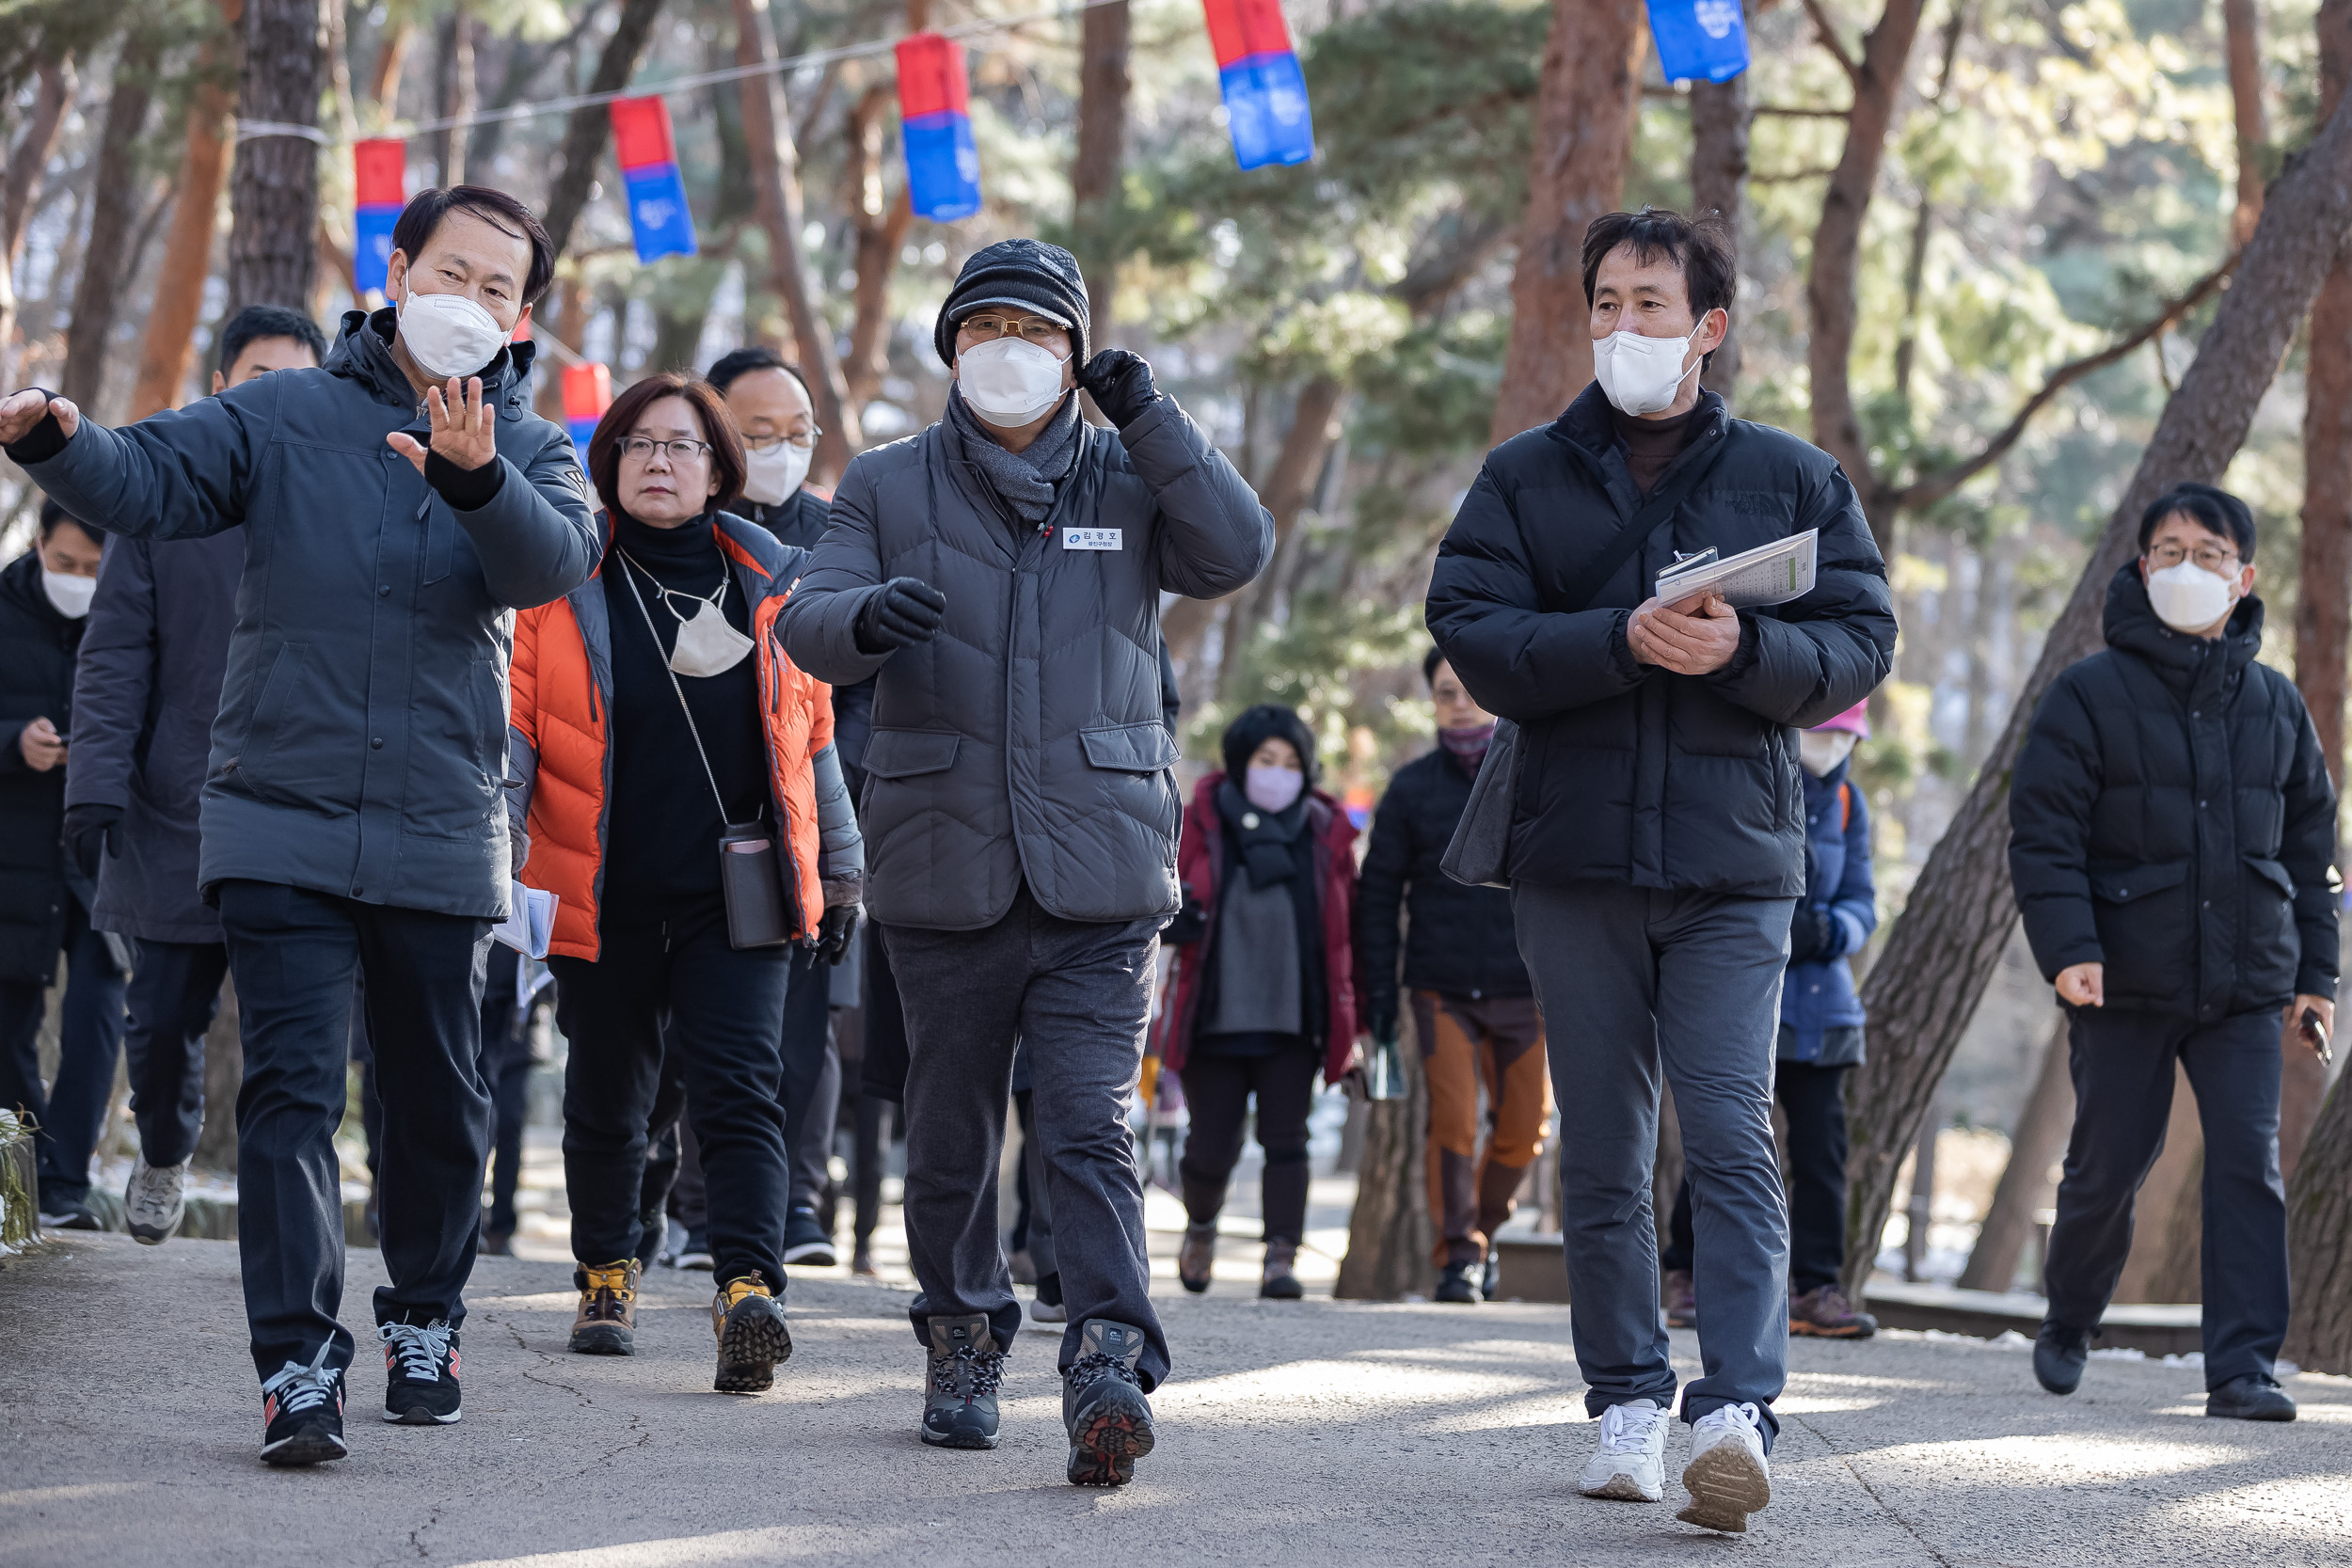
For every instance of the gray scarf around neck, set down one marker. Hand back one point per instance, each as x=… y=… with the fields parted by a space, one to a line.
x=1024 y=481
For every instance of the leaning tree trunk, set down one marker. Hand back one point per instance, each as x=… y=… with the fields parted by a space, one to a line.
x=2319 y=1242
x=99 y=291
x=1389 y=1234
x=1719 y=179
x=2024 y=1186
x=1583 y=136
x=776 y=190
x=179 y=298
x=1925 y=986
x=274 y=191
x=590 y=126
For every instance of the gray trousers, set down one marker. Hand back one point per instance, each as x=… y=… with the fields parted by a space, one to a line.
x=1078 y=994
x=1630 y=980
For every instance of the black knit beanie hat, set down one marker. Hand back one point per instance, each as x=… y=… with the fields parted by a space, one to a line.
x=1029 y=273
x=1268 y=721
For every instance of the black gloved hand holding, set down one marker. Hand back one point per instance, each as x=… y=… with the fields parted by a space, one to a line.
x=1812 y=936
x=1121 y=385
x=835 y=929
x=87 y=827
x=908 y=609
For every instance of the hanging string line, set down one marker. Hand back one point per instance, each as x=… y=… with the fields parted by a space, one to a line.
x=732 y=73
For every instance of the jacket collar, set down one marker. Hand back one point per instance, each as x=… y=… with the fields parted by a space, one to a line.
x=2186 y=664
x=1588 y=424
x=363 y=353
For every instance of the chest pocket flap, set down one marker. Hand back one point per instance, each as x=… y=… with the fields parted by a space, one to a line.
x=904 y=753
x=2273 y=873
x=1145 y=748
x=2123 y=884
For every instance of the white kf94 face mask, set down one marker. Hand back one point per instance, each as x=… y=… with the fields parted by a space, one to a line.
x=1010 y=381
x=771 y=477
x=2187 y=597
x=1641 y=375
x=449 y=333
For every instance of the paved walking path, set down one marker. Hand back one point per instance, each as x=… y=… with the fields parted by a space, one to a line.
x=1308 y=1434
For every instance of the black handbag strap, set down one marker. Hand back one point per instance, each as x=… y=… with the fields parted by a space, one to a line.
x=1662 y=506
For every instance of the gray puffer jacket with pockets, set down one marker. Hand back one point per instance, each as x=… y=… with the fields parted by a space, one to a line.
x=1027 y=741
x=361 y=748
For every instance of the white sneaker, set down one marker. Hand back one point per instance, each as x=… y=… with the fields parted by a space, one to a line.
x=1727 y=1477
x=1630 y=1463
x=155 y=1201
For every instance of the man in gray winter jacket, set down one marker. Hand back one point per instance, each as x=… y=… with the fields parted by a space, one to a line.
x=354 y=820
x=1001 y=571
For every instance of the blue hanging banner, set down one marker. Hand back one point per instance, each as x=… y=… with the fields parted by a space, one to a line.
x=1265 y=93
x=936 y=128
x=658 y=217
x=1699 y=41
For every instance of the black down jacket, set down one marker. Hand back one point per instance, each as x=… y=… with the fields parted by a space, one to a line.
x=1029 y=740
x=37 y=646
x=1631 y=773
x=1459 y=940
x=2171 y=817
x=145 y=695
x=362 y=745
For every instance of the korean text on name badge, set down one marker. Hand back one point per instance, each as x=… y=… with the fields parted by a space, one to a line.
x=1091 y=539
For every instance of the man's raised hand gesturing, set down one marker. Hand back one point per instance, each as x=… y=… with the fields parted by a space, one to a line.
x=21 y=411
x=465 y=432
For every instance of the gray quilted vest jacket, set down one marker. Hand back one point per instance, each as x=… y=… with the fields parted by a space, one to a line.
x=1027 y=741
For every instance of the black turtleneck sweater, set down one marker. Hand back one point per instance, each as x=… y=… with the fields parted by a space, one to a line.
x=664 y=842
x=1652 y=445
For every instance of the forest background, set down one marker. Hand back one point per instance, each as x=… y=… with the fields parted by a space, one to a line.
x=1983 y=245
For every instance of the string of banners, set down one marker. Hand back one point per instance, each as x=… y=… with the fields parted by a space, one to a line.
x=1258 y=75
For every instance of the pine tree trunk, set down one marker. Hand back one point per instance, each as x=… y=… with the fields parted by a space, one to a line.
x=1389 y=1234
x=2243 y=32
x=1925 y=985
x=2319 y=1241
x=164 y=346
x=20 y=183
x=590 y=127
x=274 y=190
x=99 y=291
x=1094 y=172
x=879 y=225
x=1583 y=134
x=2024 y=1187
x=1719 y=177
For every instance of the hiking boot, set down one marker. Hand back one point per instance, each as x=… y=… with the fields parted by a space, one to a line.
x=1048 y=1306
x=68 y=1216
x=2251 y=1398
x=497 y=1244
x=421 y=1373
x=1103 y=1407
x=1728 y=1477
x=751 y=1336
x=302 y=1412
x=959 y=1405
x=806 y=1240
x=1630 y=1463
x=606 y=1324
x=861 y=1260
x=1822 y=1313
x=2059 y=1354
x=1197 y=1258
x=1457 y=1283
x=1681 y=1300
x=1281 y=1280
x=155 y=1201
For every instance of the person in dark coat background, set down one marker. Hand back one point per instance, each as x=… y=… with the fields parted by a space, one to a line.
x=2173 y=845
x=1474 y=1010
x=44 y=605
x=400 y=504
x=146 y=690
x=1820 y=1041
x=1265 y=992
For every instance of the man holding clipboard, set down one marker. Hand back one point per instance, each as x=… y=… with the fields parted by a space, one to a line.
x=1657 y=834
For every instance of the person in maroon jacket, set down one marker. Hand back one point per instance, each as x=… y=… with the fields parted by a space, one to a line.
x=1265 y=992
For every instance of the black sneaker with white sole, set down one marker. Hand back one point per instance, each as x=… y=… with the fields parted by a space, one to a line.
x=302 y=1414
x=421 y=1373
x=1103 y=1407
x=805 y=1240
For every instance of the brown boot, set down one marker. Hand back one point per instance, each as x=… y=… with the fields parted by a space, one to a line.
x=1682 y=1302
x=1197 y=1258
x=1823 y=1313
x=1280 y=1279
x=606 y=1324
x=751 y=1336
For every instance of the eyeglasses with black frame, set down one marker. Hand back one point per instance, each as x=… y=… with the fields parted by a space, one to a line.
x=2221 y=560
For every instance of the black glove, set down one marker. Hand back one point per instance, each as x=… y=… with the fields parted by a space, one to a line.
x=835 y=929
x=1382 y=1022
x=87 y=827
x=908 y=609
x=1812 y=935
x=1121 y=385
x=1190 y=924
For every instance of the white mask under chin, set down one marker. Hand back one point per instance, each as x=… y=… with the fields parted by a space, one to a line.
x=1821 y=750
x=1010 y=381
x=2186 y=597
x=449 y=333
x=1641 y=375
x=771 y=477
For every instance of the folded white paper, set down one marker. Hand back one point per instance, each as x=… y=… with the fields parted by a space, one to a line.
x=1767 y=574
x=529 y=921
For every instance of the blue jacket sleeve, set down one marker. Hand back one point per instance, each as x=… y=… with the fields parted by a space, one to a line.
x=179 y=474
x=536 y=538
x=1855 y=902
x=113 y=677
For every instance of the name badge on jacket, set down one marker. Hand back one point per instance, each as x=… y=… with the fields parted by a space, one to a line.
x=1091 y=539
